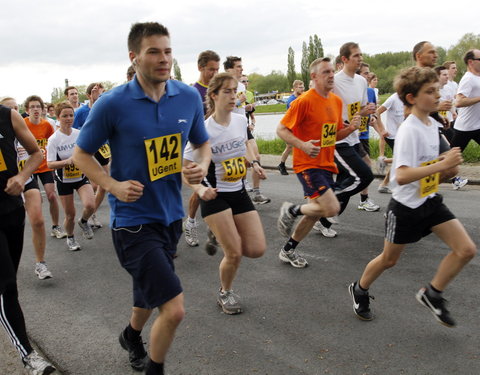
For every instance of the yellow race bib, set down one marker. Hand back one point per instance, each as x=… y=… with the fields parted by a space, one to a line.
x=105 y=151
x=352 y=109
x=235 y=169
x=3 y=165
x=364 y=124
x=329 y=135
x=429 y=184
x=71 y=171
x=443 y=113
x=21 y=164
x=164 y=155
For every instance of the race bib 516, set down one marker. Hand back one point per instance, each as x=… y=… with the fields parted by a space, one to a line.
x=3 y=165
x=429 y=184
x=329 y=135
x=235 y=169
x=164 y=155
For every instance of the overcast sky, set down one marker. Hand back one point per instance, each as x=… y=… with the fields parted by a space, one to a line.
x=42 y=43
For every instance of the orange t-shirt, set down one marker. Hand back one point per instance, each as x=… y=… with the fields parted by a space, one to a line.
x=311 y=116
x=41 y=132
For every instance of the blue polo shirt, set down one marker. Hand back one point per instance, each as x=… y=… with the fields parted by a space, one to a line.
x=147 y=140
x=81 y=115
x=371 y=99
x=290 y=99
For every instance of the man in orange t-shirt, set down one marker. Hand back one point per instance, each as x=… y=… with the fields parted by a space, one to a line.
x=312 y=125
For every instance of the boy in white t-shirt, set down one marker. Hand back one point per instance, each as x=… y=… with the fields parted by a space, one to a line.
x=415 y=209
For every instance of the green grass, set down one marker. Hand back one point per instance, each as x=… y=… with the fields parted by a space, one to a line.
x=280 y=107
x=276 y=147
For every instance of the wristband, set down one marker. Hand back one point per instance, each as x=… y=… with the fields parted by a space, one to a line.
x=256 y=161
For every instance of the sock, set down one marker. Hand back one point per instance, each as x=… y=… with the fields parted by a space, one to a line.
x=191 y=221
x=290 y=245
x=154 y=368
x=325 y=222
x=282 y=164
x=434 y=292
x=359 y=289
x=55 y=226
x=132 y=334
x=295 y=210
x=70 y=236
x=83 y=220
x=363 y=197
x=256 y=190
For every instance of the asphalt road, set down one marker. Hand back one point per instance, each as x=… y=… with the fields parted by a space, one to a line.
x=296 y=321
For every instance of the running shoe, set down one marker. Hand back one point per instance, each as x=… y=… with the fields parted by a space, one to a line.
x=94 y=222
x=361 y=303
x=229 y=302
x=36 y=365
x=326 y=232
x=57 y=232
x=459 y=182
x=73 y=244
x=42 y=271
x=436 y=306
x=381 y=165
x=211 y=246
x=384 y=189
x=191 y=235
x=333 y=219
x=368 y=205
x=283 y=170
x=285 y=220
x=86 y=229
x=260 y=199
x=293 y=257
x=136 y=352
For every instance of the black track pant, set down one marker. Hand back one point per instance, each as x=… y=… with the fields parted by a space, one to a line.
x=461 y=138
x=11 y=244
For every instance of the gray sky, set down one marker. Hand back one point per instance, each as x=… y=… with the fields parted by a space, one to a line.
x=43 y=43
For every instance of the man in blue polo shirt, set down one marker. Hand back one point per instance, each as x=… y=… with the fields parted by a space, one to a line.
x=147 y=123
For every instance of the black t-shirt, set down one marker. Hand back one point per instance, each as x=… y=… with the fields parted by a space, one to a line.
x=8 y=161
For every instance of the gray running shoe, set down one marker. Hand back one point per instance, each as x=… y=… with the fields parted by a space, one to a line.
x=293 y=257
x=86 y=229
x=381 y=165
x=72 y=244
x=58 y=232
x=368 y=206
x=285 y=220
x=229 y=302
x=94 y=222
x=36 y=365
x=42 y=271
x=326 y=232
x=211 y=246
x=191 y=235
x=384 y=189
x=260 y=199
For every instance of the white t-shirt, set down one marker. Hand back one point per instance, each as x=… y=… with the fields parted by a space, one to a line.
x=452 y=86
x=415 y=144
x=228 y=145
x=241 y=89
x=446 y=93
x=394 y=113
x=353 y=92
x=469 y=117
x=60 y=147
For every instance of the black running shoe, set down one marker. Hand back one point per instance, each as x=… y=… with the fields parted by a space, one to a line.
x=361 y=303
x=211 y=246
x=136 y=352
x=436 y=306
x=283 y=170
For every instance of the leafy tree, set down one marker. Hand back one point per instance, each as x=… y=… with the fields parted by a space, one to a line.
x=176 y=71
x=304 y=65
x=291 y=74
x=457 y=51
x=315 y=48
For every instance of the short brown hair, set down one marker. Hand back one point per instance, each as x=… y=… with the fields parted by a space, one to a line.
x=67 y=89
x=33 y=98
x=346 y=49
x=448 y=64
x=92 y=85
x=229 y=63
x=297 y=82
x=207 y=56
x=140 y=30
x=316 y=62
x=411 y=80
x=417 y=48
x=61 y=106
x=130 y=72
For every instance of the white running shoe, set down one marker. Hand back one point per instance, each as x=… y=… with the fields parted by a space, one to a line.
x=86 y=229
x=381 y=165
x=73 y=244
x=94 y=222
x=58 y=232
x=459 y=182
x=384 y=189
x=293 y=257
x=327 y=232
x=368 y=206
x=36 y=365
x=191 y=234
x=42 y=271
